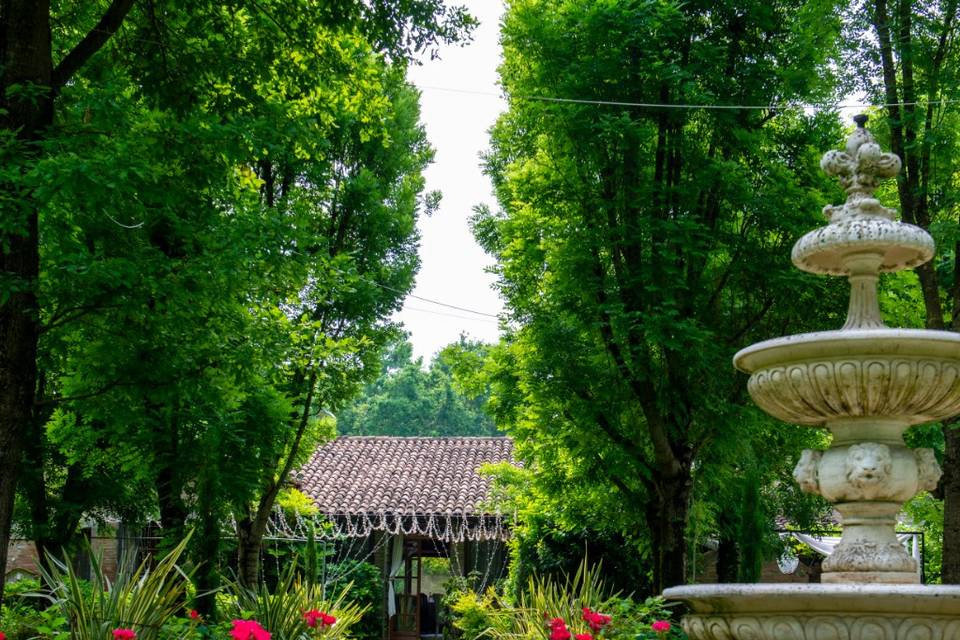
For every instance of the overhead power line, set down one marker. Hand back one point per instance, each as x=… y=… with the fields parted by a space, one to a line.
x=661 y=105
x=437 y=302
x=450 y=315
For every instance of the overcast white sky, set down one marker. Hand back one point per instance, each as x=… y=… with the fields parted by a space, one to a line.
x=453 y=264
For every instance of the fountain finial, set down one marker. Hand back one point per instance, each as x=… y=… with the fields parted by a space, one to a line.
x=860 y=168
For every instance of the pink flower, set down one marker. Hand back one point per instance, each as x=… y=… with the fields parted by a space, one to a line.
x=583 y=636
x=660 y=626
x=557 y=622
x=248 y=630
x=124 y=634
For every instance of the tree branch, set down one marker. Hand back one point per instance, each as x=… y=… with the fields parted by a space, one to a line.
x=91 y=43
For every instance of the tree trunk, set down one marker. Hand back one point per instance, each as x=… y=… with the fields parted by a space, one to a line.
x=207 y=577
x=728 y=559
x=173 y=513
x=667 y=519
x=248 y=552
x=25 y=60
x=728 y=553
x=950 y=485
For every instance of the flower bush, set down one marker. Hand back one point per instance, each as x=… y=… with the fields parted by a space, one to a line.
x=294 y=610
x=577 y=608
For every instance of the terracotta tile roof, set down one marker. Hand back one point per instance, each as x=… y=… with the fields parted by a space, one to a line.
x=356 y=475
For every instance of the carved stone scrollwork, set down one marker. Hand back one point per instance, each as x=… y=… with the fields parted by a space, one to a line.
x=826 y=627
x=922 y=389
x=870 y=556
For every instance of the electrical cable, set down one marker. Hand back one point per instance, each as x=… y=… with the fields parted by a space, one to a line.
x=437 y=302
x=661 y=105
x=448 y=315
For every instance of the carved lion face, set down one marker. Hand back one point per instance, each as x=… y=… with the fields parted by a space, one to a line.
x=868 y=464
x=806 y=472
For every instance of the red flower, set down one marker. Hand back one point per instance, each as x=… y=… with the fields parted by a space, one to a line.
x=558 y=630
x=248 y=630
x=660 y=626
x=560 y=633
x=2 y=636
x=194 y=614
x=583 y=636
x=596 y=621
x=313 y=616
x=124 y=634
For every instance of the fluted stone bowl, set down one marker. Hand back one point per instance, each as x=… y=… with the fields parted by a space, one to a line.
x=819 y=611
x=911 y=375
x=825 y=250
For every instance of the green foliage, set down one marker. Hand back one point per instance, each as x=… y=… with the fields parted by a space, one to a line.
x=364 y=582
x=141 y=598
x=408 y=400
x=281 y=610
x=227 y=204
x=638 y=249
x=925 y=513
x=295 y=502
x=26 y=623
x=476 y=615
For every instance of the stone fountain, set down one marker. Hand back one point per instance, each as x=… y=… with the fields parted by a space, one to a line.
x=867 y=384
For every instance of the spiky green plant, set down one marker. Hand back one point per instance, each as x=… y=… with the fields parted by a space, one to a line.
x=281 y=612
x=546 y=598
x=141 y=598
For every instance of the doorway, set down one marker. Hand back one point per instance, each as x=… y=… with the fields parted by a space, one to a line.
x=418 y=587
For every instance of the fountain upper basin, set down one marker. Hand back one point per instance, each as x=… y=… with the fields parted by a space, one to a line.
x=820 y=612
x=909 y=375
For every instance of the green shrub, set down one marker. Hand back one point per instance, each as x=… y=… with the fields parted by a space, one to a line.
x=365 y=582
x=142 y=599
x=474 y=615
x=21 y=621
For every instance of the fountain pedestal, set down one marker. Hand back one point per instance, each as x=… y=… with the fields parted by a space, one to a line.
x=867 y=384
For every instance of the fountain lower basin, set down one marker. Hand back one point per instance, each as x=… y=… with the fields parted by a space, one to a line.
x=911 y=375
x=819 y=612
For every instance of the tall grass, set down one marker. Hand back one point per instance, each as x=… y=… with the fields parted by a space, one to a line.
x=141 y=598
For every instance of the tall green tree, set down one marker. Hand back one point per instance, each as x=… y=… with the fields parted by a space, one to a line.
x=908 y=60
x=408 y=400
x=30 y=78
x=638 y=248
x=221 y=193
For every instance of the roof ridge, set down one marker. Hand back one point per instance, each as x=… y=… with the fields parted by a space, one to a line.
x=438 y=438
